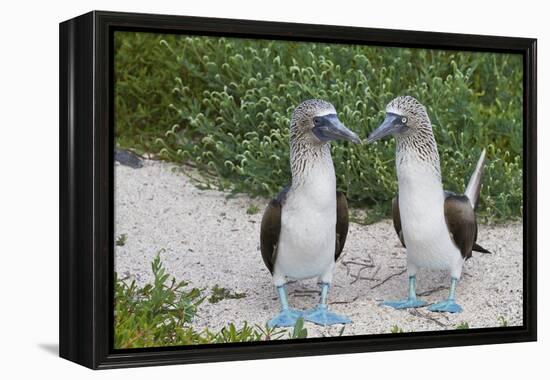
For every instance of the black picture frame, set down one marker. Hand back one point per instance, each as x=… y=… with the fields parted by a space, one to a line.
x=86 y=189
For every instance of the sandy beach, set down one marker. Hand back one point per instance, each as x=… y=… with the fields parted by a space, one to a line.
x=209 y=239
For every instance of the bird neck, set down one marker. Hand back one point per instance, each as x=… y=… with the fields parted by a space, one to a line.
x=309 y=161
x=418 y=151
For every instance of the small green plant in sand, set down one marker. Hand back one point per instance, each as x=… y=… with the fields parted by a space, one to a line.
x=161 y=313
x=252 y=209
x=463 y=326
x=299 y=331
x=121 y=240
x=502 y=321
x=219 y=293
x=396 y=329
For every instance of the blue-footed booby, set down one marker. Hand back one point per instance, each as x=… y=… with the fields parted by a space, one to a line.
x=438 y=228
x=304 y=228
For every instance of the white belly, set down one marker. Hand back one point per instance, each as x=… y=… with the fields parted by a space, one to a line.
x=308 y=231
x=421 y=206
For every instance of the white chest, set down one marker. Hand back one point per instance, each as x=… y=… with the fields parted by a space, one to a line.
x=421 y=206
x=308 y=226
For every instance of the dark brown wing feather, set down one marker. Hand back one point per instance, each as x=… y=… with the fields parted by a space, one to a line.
x=461 y=222
x=342 y=223
x=397 y=220
x=270 y=230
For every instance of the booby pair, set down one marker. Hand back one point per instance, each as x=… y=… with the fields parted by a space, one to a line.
x=304 y=228
x=437 y=227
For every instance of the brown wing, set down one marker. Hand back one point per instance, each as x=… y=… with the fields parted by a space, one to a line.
x=461 y=222
x=397 y=219
x=342 y=223
x=270 y=230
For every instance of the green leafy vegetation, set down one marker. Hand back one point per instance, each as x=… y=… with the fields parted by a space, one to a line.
x=463 y=326
x=299 y=331
x=396 y=329
x=252 y=209
x=223 y=106
x=121 y=240
x=502 y=321
x=219 y=293
x=161 y=314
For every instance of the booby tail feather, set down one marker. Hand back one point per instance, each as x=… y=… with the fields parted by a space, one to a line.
x=474 y=186
x=479 y=248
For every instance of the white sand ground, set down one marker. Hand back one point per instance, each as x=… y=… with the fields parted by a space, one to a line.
x=210 y=239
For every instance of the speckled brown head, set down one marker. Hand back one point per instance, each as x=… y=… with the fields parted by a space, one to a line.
x=315 y=122
x=407 y=120
x=404 y=116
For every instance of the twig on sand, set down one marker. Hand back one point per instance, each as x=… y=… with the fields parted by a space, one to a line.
x=363 y=267
x=388 y=278
x=431 y=291
x=417 y=313
x=344 y=302
x=358 y=276
x=366 y=265
x=303 y=293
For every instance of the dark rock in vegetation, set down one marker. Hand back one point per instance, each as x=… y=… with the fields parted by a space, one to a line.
x=125 y=157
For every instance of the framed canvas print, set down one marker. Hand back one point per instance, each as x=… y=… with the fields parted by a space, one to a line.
x=237 y=189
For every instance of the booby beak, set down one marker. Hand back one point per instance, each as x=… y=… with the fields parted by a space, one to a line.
x=392 y=124
x=328 y=127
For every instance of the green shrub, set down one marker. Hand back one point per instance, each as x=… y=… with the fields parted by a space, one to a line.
x=161 y=314
x=156 y=313
x=224 y=106
x=144 y=80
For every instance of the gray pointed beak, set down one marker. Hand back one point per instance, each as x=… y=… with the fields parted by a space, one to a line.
x=391 y=125
x=329 y=127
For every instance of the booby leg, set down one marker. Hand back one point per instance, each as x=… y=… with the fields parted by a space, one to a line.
x=321 y=315
x=449 y=305
x=411 y=301
x=287 y=317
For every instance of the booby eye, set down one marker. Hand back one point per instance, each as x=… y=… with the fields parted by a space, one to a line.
x=404 y=120
x=316 y=121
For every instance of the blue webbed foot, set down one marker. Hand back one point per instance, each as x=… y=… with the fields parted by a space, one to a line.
x=405 y=304
x=447 y=306
x=286 y=318
x=320 y=315
x=411 y=301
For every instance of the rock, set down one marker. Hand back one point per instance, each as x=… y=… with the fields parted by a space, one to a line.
x=127 y=158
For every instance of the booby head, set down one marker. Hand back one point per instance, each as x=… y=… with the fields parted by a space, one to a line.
x=404 y=116
x=315 y=121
